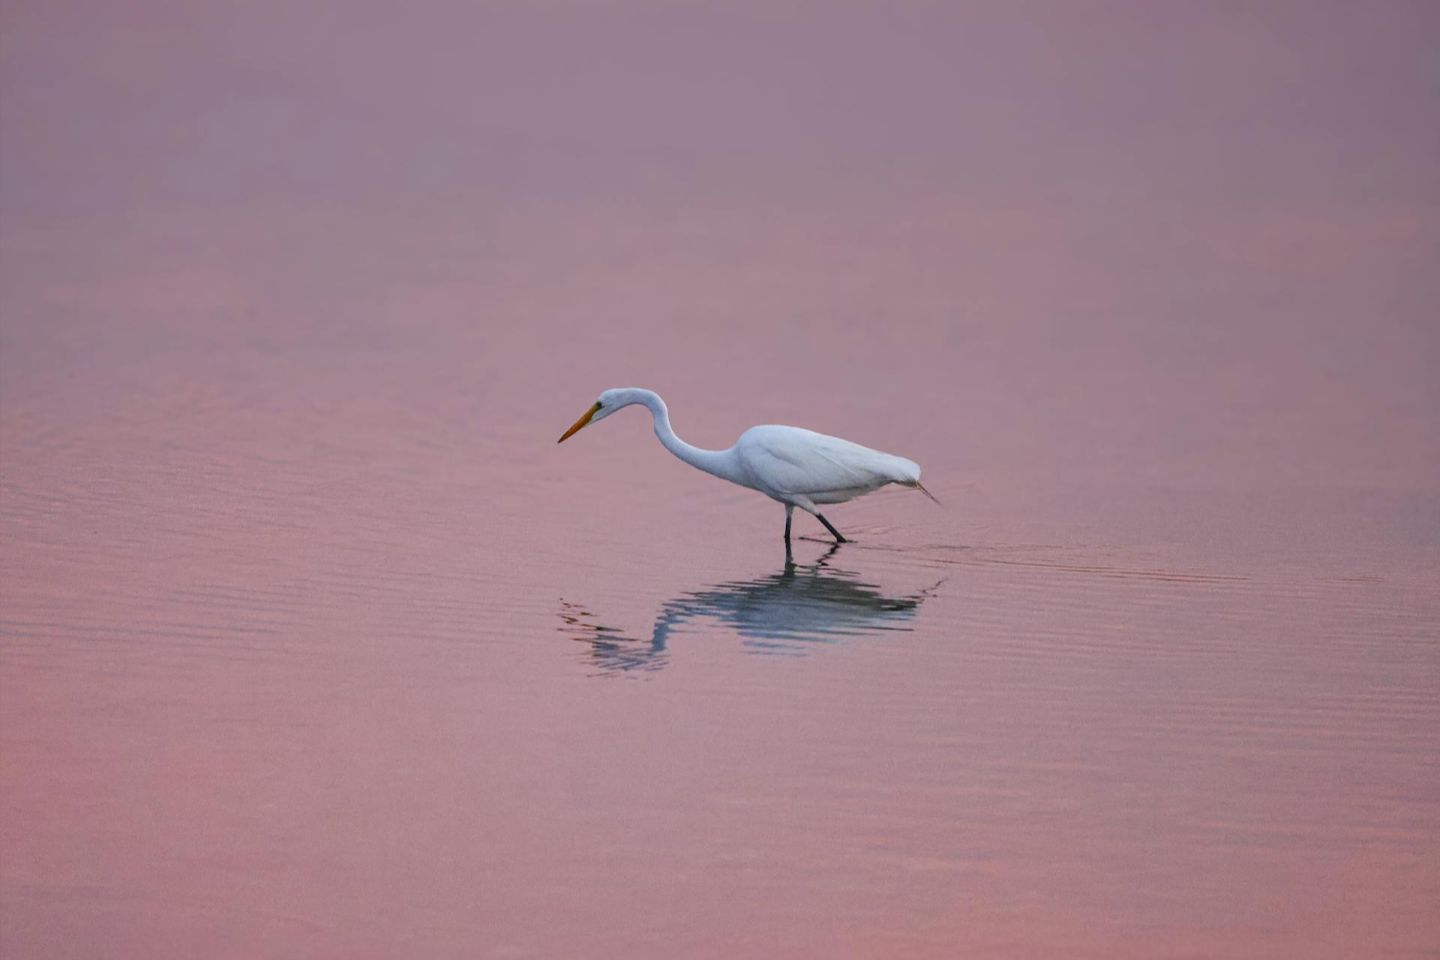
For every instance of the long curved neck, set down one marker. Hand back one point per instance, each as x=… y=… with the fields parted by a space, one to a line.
x=718 y=462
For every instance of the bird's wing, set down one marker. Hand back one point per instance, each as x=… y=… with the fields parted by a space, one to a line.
x=792 y=460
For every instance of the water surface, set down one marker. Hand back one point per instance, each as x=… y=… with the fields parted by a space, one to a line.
x=314 y=643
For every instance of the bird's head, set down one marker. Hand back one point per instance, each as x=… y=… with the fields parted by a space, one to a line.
x=609 y=402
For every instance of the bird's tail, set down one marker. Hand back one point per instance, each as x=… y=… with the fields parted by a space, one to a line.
x=921 y=487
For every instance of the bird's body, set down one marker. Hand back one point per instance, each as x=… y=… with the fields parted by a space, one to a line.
x=792 y=465
x=797 y=467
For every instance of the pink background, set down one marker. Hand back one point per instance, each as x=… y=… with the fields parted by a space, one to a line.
x=302 y=604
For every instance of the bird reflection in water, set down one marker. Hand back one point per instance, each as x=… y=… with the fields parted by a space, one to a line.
x=785 y=613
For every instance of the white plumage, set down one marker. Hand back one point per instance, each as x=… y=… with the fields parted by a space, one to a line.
x=797 y=467
x=786 y=462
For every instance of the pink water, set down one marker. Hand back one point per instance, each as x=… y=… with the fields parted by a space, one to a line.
x=314 y=644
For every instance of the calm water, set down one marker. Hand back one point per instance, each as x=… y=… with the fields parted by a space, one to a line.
x=313 y=643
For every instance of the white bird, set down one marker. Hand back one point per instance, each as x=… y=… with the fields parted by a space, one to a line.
x=797 y=467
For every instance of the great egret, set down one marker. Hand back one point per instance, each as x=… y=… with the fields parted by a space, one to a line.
x=798 y=467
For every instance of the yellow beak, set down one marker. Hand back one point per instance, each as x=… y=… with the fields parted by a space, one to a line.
x=575 y=428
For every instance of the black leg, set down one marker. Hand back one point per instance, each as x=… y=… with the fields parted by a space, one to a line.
x=789 y=558
x=835 y=533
